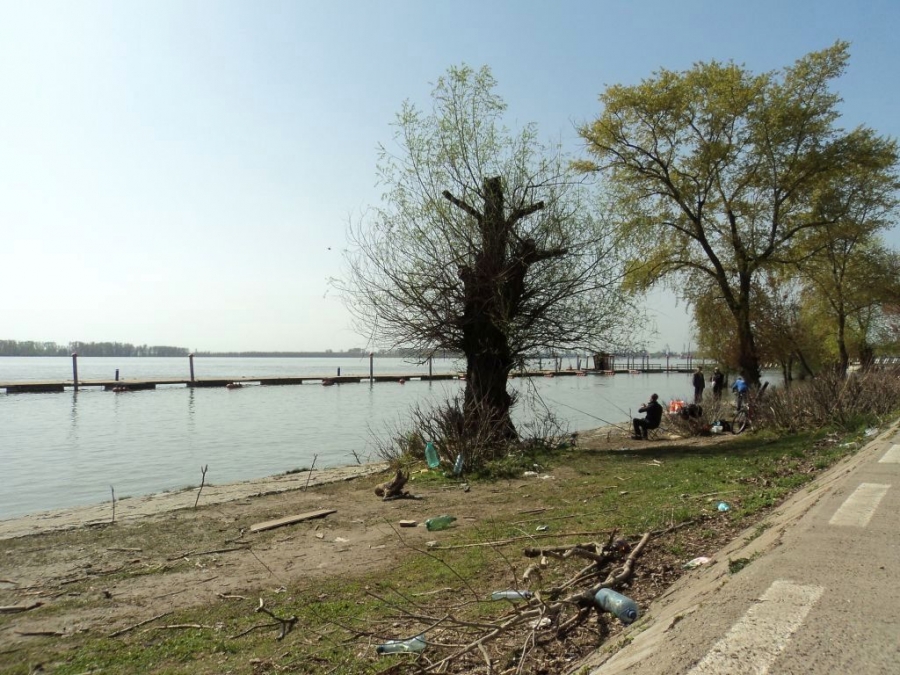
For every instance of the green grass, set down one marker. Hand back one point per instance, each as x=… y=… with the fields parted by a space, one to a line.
x=340 y=620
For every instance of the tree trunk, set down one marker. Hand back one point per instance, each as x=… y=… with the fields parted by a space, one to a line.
x=748 y=359
x=487 y=402
x=493 y=287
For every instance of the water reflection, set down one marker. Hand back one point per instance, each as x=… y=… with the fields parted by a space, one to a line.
x=73 y=417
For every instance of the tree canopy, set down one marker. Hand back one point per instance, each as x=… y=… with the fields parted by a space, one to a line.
x=721 y=174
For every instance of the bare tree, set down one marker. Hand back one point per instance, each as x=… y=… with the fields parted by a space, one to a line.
x=485 y=244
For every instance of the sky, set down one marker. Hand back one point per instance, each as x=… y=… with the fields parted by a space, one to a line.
x=183 y=173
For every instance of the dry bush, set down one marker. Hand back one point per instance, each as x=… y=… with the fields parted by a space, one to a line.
x=830 y=400
x=444 y=425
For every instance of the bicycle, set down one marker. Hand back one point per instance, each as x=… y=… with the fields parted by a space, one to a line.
x=744 y=415
x=746 y=407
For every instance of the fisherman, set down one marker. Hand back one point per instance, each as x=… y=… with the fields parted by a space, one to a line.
x=651 y=419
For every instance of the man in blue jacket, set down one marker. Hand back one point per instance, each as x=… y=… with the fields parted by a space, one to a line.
x=651 y=420
x=741 y=389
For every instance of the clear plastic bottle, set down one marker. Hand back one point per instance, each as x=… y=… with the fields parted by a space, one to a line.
x=458 y=465
x=514 y=596
x=439 y=523
x=416 y=644
x=431 y=456
x=623 y=607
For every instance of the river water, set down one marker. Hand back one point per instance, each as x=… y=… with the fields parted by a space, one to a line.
x=65 y=449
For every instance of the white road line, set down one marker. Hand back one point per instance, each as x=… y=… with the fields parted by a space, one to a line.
x=892 y=456
x=754 y=643
x=860 y=506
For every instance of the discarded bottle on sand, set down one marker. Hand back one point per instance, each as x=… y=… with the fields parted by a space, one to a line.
x=439 y=523
x=431 y=456
x=623 y=607
x=514 y=596
x=416 y=644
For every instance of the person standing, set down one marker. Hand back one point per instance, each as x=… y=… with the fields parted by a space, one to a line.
x=718 y=380
x=699 y=385
x=651 y=420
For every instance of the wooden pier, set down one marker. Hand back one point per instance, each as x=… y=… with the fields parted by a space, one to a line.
x=50 y=386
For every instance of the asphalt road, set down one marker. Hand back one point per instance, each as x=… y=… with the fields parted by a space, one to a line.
x=819 y=592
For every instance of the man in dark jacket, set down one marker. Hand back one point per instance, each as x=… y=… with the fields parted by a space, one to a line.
x=699 y=383
x=651 y=420
x=718 y=380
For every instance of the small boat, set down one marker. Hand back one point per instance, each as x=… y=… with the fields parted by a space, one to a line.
x=233 y=385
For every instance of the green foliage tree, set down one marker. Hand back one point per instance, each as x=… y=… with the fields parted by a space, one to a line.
x=849 y=277
x=487 y=243
x=719 y=171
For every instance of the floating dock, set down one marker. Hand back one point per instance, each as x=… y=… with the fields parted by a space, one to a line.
x=51 y=386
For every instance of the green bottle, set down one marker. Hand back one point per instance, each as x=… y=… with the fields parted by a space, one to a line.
x=439 y=523
x=431 y=456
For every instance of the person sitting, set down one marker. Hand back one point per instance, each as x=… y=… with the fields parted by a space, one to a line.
x=650 y=421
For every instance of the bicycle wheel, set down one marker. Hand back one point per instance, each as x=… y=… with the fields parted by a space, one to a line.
x=740 y=422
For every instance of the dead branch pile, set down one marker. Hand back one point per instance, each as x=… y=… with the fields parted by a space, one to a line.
x=535 y=623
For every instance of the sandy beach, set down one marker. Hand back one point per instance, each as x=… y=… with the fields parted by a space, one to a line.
x=154 y=504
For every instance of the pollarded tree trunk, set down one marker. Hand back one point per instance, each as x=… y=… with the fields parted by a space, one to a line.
x=493 y=289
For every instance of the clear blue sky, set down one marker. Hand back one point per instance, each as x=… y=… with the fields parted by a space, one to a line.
x=183 y=173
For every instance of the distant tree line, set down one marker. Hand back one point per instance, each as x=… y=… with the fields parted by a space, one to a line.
x=31 y=348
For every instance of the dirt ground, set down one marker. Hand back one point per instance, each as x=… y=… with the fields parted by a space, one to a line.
x=71 y=559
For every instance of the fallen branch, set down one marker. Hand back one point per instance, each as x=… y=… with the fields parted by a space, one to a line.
x=222 y=550
x=286 y=625
x=138 y=625
x=179 y=626
x=15 y=609
x=513 y=540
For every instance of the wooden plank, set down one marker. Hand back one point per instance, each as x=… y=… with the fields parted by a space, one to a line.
x=290 y=520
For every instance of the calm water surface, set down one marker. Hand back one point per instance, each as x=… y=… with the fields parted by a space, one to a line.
x=64 y=449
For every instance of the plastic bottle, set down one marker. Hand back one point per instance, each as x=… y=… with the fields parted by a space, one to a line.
x=431 y=456
x=458 y=465
x=439 y=523
x=511 y=595
x=620 y=605
x=416 y=644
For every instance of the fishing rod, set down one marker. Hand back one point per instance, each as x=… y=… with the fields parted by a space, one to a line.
x=584 y=412
x=541 y=398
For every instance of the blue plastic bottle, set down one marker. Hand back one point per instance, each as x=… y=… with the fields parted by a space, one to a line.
x=623 y=607
x=431 y=456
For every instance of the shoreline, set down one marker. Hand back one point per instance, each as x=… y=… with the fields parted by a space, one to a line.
x=144 y=506
x=133 y=508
